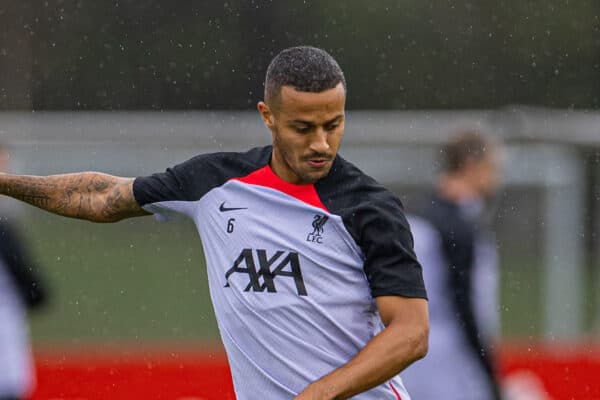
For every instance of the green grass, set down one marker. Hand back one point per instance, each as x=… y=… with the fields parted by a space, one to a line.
x=135 y=280
x=522 y=300
x=521 y=297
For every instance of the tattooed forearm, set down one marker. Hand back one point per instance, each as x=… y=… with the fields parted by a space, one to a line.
x=87 y=195
x=38 y=201
x=120 y=200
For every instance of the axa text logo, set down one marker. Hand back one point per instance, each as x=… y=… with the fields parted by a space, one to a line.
x=262 y=270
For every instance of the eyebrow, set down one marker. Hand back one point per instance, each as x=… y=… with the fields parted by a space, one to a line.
x=309 y=123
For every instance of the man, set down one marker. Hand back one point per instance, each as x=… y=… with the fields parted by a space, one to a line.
x=20 y=291
x=459 y=262
x=315 y=286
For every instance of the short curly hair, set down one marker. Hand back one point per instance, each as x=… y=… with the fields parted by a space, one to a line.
x=306 y=68
x=465 y=146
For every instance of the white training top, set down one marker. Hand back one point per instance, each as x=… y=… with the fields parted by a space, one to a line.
x=16 y=364
x=453 y=369
x=293 y=269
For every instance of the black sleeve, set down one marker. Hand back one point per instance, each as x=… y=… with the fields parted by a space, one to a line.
x=173 y=184
x=387 y=243
x=192 y=179
x=375 y=219
x=20 y=267
x=458 y=240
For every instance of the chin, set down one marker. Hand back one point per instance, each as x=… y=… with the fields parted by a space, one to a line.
x=309 y=176
x=316 y=176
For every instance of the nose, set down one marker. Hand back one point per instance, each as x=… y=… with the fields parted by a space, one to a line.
x=319 y=143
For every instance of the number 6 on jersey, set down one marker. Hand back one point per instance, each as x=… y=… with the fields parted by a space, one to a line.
x=230 y=225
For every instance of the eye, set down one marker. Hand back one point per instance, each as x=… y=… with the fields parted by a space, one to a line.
x=332 y=127
x=302 y=129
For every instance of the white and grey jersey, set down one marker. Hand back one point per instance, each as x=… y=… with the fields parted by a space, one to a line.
x=293 y=269
x=459 y=266
x=20 y=289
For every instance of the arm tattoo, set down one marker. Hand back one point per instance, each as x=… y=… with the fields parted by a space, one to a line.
x=38 y=201
x=87 y=195
x=119 y=201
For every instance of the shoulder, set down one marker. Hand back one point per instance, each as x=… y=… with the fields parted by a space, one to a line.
x=368 y=209
x=446 y=218
x=456 y=234
x=191 y=179
x=227 y=163
x=375 y=219
x=347 y=189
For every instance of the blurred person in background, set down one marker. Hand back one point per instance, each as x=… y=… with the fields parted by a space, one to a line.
x=457 y=250
x=20 y=291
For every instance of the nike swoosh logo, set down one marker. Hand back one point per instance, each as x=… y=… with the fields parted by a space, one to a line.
x=222 y=208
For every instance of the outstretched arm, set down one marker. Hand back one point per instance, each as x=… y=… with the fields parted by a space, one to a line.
x=92 y=196
x=403 y=341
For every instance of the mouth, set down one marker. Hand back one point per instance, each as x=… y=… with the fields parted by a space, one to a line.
x=318 y=162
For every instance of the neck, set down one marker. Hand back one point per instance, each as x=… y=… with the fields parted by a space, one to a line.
x=456 y=190
x=280 y=168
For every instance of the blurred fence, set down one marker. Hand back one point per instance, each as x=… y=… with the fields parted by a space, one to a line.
x=548 y=216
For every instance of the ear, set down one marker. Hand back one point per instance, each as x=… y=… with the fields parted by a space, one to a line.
x=266 y=114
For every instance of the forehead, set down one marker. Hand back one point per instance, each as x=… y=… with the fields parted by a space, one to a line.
x=310 y=105
x=491 y=159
